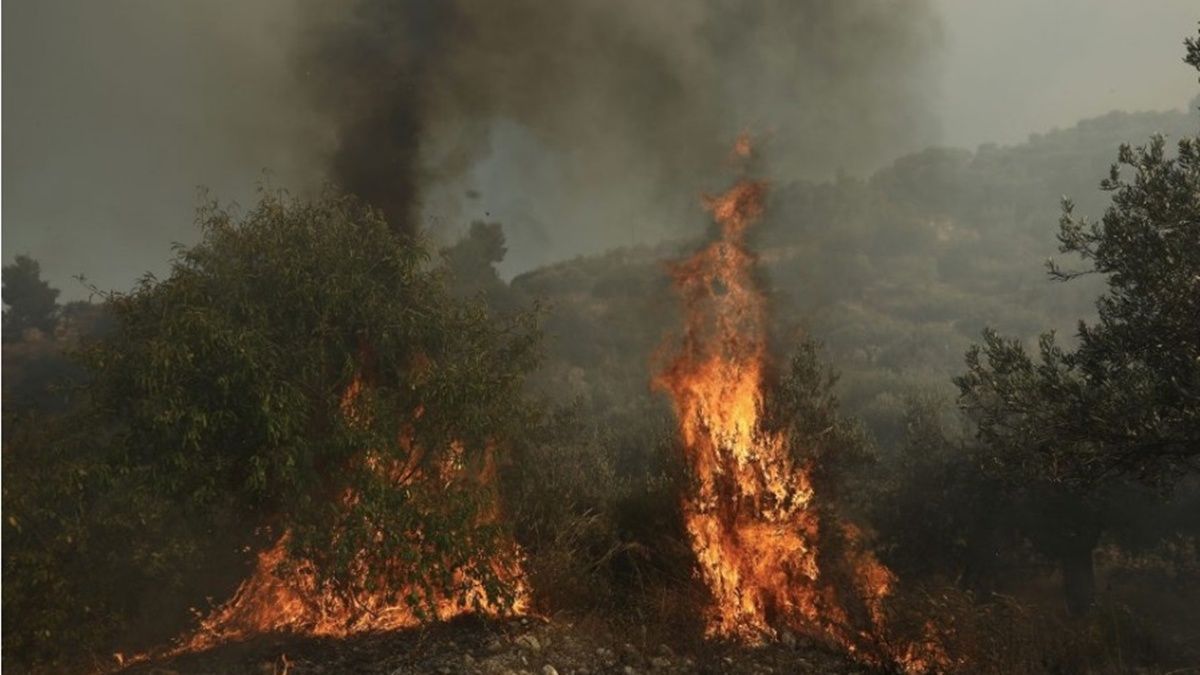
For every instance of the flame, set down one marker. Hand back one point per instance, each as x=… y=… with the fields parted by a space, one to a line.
x=751 y=513
x=284 y=594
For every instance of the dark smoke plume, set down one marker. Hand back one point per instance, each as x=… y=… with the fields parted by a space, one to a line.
x=632 y=102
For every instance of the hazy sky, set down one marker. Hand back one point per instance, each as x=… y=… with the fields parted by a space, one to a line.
x=1012 y=67
x=116 y=110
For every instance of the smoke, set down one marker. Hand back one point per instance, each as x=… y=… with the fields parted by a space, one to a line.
x=582 y=125
x=578 y=124
x=116 y=112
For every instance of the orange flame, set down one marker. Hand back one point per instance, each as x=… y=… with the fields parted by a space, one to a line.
x=287 y=595
x=751 y=514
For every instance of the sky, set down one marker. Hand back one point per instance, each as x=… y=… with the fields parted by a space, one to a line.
x=1014 y=67
x=116 y=111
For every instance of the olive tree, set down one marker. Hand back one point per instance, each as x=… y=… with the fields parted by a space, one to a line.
x=29 y=301
x=1075 y=422
x=302 y=368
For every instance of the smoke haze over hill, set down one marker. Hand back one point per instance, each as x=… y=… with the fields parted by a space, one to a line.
x=579 y=126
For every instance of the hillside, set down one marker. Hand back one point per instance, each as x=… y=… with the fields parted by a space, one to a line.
x=895 y=274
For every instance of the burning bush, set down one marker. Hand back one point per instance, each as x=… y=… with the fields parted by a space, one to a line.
x=302 y=370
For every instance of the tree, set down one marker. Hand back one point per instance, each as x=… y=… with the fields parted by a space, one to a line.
x=937 y=515
x=804 y=406
x=471 y=264
x=1072 y=424
x=29 y=301
x=303 y=369
x=287 y=347
x=1126 y=401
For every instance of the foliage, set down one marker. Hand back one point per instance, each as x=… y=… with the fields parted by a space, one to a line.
x=29 y=300
x=805 y=408
x=232 y=376
x=471 y=267
x=269 y=376
x=1126 y=401
x=1065 y=430
x=274 y=368
x=600 y=533
x=1003 y=634
x=936 y=510
x=1192 y=58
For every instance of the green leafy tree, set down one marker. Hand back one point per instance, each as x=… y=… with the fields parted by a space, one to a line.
x=1126 y=400
x=804 y=406
x=471 y=264
x=302 y=368
x=1071 y=424
x=233 y=377
x=29 y=301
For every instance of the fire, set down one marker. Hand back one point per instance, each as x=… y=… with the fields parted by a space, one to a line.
x=284 y=594
x=751 y=513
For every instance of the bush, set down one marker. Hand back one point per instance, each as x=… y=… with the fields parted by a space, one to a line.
x=601 y=533
x=297 y=354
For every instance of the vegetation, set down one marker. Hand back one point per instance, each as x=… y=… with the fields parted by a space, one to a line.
x=218 y=405
x=1126 y=401
x=155 y=439
x=29 y=302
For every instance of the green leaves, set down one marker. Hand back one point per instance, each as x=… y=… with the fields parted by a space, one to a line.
x=224 y=395
x=1126 y=401
x=29 y=301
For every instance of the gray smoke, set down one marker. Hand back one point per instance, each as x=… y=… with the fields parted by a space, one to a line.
x=115 y=112
x=579 y=124
x=587 y=124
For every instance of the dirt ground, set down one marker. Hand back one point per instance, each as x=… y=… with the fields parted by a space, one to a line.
x=513 y=647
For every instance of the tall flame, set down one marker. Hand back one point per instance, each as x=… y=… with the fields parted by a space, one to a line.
x=751 y=512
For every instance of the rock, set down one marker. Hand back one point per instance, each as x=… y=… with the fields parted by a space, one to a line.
x=632 y=654
x=494 y=646
x=607 y=657
x=549 y=670
x=628 y=670
x=666 y=651
x=529 y=642
x=660 y=662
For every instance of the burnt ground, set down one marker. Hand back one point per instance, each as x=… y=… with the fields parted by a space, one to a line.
x=512 y=647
